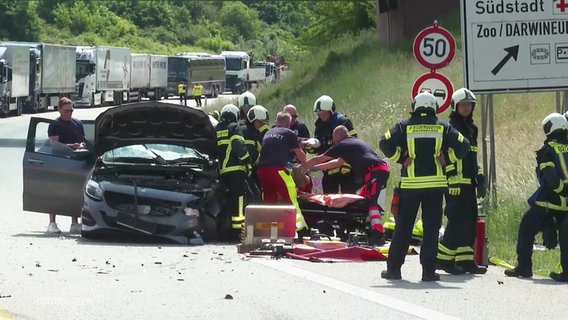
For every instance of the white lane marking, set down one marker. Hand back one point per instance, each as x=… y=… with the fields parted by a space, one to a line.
x=387 y=301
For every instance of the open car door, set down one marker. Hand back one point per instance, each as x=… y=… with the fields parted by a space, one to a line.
x=54 y=175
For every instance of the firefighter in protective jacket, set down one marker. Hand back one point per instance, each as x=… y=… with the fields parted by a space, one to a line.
x=338 y=179
x=419 y=144
x=455 y=250
x=234 y=161
x=548 y=203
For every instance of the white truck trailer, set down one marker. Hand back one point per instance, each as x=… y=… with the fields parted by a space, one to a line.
x=148 y=76
x=14 y=79
x=51 y=71
x=103 y=75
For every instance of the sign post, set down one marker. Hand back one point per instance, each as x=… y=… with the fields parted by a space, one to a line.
x=519 y=45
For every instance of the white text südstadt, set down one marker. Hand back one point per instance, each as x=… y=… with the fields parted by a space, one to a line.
x=502 y=6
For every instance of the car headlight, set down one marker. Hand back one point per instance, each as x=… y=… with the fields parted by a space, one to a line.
x=94 y=191
x=191 y=212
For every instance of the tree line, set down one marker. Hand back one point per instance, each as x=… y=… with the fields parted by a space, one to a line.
x=163 y=26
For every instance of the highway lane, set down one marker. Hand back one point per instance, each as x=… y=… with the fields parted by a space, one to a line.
x=45 y=277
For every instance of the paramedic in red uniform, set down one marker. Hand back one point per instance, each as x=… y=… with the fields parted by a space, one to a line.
x=365 y=163
x=276 y=181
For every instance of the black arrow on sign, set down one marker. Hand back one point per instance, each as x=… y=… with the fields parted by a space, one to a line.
x=512 y=52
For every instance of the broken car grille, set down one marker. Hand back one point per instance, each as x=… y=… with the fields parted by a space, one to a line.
x=141 y=205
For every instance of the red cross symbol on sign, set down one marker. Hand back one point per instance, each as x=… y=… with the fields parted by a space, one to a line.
x=562 y=5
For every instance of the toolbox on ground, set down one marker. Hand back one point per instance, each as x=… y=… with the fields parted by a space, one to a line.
x=269 y=222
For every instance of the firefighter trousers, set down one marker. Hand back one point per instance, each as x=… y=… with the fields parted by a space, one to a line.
x=375 y=181
x=461 y=211
x=278 y=186
x=410 y=200
x=235 y=182
x=331 y=183
x=532 y=223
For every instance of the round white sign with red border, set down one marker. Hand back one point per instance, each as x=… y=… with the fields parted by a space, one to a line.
x=434 y=47
x=438 y=85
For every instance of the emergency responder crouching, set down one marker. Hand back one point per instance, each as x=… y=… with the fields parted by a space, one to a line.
x=234 y=160
x=417 y=144
x=548 y=203
x=366 y=164
x=455 y=250
x=338 y=179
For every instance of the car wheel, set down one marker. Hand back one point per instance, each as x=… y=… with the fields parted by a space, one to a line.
x=209 y=228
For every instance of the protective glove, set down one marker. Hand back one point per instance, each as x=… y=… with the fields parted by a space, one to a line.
x=481 y=187
x=249 y=170
x=454 y=186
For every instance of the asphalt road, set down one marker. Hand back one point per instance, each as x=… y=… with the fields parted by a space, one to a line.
x=68 y=277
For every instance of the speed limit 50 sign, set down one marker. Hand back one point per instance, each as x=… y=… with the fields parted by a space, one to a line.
x=434 y=47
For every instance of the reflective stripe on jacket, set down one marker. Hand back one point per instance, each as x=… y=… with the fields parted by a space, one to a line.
x=420 y=141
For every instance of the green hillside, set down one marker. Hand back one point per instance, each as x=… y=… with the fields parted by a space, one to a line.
x=372 y=84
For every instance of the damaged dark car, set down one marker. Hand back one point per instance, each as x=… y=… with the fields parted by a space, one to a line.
x=151 y=170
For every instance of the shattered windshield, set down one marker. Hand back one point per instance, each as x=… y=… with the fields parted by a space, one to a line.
x=150 y=153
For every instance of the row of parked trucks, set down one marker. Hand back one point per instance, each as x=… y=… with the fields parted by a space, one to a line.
x=34 y=75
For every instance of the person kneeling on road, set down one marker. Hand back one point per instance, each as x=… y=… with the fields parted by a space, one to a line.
x=364 y=162
x=276 y=181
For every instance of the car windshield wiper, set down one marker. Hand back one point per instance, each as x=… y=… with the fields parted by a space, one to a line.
x=158 y=158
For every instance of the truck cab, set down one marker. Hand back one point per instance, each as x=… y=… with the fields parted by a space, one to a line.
x=238 y=68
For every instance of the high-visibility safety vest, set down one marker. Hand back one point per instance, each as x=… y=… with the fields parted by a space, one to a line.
x=196 y=90
x=421 y=140
x=231 y=149
x=181 y=88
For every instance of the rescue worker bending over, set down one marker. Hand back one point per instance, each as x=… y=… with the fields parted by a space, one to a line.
x=328 y=119
x=549 y=200
x=275 y=179
x=418 y=144
x=365 y=163
x=245 y=101
x=299 y=128
x=233 y=159
x=455 y=250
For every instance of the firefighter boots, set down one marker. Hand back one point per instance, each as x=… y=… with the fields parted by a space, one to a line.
x=376 y=238
x=391 y=274
x=430 y=276
x=517 y=272
x=472 y=268
x=560 y=277
x=450 y=267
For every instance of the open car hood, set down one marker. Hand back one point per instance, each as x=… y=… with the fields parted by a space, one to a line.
x=154 y=122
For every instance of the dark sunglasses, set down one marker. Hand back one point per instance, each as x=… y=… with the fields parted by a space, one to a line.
x=67 y=110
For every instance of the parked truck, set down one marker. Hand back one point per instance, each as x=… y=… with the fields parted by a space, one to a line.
x=51 y=74
x=103 y=75
x=242 y=74
x=203 y=68
x=148 y=76
x=14 y=79
x=237 y=74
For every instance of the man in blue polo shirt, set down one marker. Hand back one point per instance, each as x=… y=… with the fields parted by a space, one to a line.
x=68 y=132
x=276 y=182
x=365 y=163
